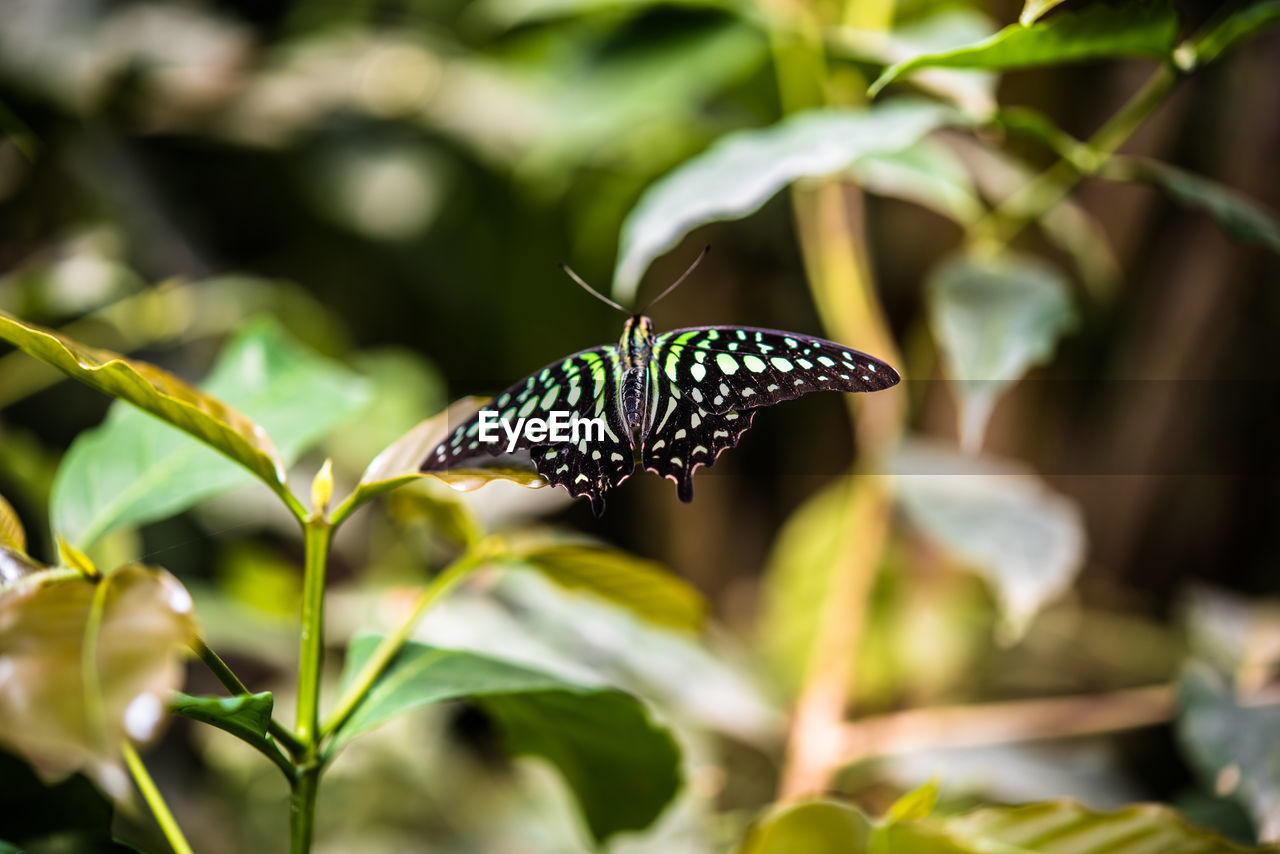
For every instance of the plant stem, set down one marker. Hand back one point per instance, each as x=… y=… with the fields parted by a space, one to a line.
x=233 y=684
x=829 y=230
x=390 y=646
x=302 y=807
x=1034 y=199
x=155 y=800
x=317 y=534
x=316 y=537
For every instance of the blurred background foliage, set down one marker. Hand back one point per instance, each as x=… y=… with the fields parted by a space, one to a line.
x=394 y=182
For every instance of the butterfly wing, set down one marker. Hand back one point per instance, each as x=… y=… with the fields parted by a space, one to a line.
x=724 y=368
x=706 y=381
x=583 y=384
x=687 y=436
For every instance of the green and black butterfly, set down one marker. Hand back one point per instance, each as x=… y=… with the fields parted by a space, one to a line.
x=673 y=401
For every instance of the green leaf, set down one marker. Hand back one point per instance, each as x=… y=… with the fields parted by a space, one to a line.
x=998 y=518
x=927 y=174
x=743 y=170
x=994 y=318
x=1239 y=216
x=1233 y=27
x=246 y=716
x=59 y=714
x=812 y=827
x=1235 y=747
x=1066 y=827
x=12 y=535
x=644 y=587
x=973 y=91
x=1100 y=31
x=441 y=511
x=512 y=13
x=399 y=463
x=155 y=391
x=706 y=681
x=1034 y=10
x=133 y=469
x=622 y=767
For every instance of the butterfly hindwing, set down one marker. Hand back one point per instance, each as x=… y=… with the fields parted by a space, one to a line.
x=583 y=384
x=683 y=435
x=725 y=368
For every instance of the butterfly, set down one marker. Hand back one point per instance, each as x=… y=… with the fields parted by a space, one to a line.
x=672 y=401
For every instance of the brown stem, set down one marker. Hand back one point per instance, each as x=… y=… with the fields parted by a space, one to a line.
x=1000 y=723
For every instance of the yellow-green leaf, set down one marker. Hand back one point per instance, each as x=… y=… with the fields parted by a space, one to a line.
x=643 y=586
x=12 y=535
x=915 y=804
x=812 y=827
x=155 y=391
x=89 y=664
x=803 y=570
x=1066 y=827
x=133 y=469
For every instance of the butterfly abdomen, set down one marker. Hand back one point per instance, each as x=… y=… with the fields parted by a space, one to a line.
x=633 y=384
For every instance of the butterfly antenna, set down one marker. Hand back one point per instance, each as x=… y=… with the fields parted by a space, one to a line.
x=679 y=281
x=604 y=299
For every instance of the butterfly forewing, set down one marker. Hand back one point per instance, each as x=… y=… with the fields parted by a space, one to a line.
x=584 y=384
x=725 y=368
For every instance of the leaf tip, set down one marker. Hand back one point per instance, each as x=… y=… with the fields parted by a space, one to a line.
x=77 y=560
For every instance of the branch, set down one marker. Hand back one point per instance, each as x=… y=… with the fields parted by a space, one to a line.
x=1002 y=723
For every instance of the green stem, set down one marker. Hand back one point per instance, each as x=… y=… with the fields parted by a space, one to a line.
x=348 y=506
x=1039 y=195
x=155 y=800
x=93 y=705
x=317 y=534
x=302 y=808
x=233 y=684
x=391 y=644
x=291 y=501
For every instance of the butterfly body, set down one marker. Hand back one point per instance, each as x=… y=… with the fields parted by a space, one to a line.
x=672 y=401
x=637 y=344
